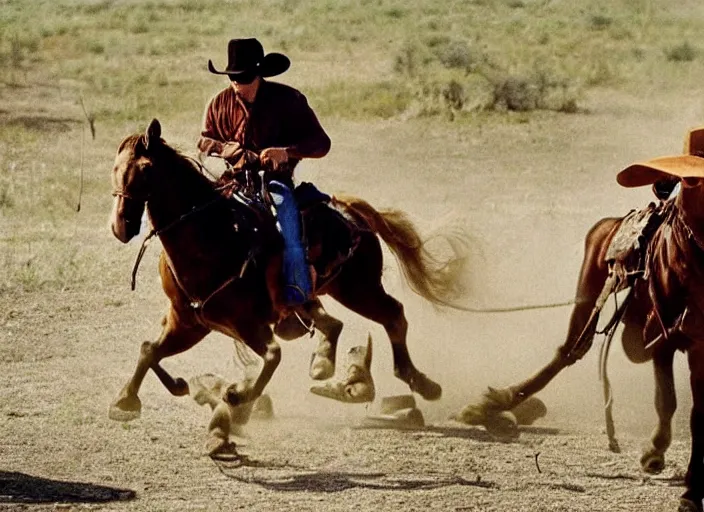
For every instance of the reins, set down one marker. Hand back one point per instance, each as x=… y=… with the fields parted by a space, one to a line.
x=157 y=232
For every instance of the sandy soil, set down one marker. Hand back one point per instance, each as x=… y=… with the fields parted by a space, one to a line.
x=527 y=192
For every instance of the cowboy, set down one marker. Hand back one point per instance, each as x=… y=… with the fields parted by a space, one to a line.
x=275 y=121
x=667 y=187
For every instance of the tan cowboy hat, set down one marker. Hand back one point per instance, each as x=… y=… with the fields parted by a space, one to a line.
x=398 y=412
x=688 y=165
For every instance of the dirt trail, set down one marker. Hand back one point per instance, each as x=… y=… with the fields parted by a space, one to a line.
x=528 y=193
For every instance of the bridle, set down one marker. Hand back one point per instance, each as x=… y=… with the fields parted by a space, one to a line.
x=125 y=195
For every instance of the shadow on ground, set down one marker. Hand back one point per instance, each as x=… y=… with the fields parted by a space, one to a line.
x=472 y=433
x=22 y=488
x=290 y=478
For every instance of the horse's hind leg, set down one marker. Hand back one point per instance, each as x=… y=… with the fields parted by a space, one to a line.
x=692 y=499
x=322 y=364
x=359 y=289
x=176 y=336
x=653 y=459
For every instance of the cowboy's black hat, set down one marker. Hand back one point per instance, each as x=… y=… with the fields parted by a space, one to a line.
x=247 y=56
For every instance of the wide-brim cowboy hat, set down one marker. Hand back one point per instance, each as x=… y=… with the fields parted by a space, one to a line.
x=398 y=412
x=246 y=56
x=688 y=165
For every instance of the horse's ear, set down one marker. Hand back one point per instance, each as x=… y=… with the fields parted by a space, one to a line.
x=153 y=134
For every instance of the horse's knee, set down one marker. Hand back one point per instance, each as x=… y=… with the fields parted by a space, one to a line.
x=146 y=350
x=273 y=354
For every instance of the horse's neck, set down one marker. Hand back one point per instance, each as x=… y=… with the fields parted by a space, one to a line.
x=196 y=230
x=181 y=190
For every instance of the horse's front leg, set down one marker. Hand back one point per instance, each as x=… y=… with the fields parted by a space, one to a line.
x=580 y=335
x=180 y=333
x=259 y=338
x=653 y=459
x=693 y=498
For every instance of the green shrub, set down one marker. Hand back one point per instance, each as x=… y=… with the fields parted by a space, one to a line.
x=411 y=58
x=599 y=22
x=6 y=200
x=349 y=100
x=539 y=91
x=96 y=47
x=684 y=52
x=456 y=55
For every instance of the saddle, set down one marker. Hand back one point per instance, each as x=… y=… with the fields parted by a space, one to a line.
x=330 y=234
x=627 y=251
x=641 y=254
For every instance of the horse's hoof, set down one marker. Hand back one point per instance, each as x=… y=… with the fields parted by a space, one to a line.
x=472 y=414
x=425 y=387
x=499 y=399
x=237 y=394
x=221 y=449
x=502 y=425
x=321 y=367
x=614 y=447
x=687 y=505
x=207 y=389
x=529 y=411
x=652 y=462
x=125 y=409
x=180 y=387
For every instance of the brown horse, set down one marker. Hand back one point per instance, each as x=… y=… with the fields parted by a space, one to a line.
x=664 y=314
x=216 y=280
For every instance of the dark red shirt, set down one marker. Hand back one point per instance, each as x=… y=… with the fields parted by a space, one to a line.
x=279 y=117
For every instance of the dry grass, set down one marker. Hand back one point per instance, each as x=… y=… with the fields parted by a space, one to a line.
x=529 y=183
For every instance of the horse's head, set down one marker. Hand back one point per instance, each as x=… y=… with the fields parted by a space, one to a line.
x=131 y=181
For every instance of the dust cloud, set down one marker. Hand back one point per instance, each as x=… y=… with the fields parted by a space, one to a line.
x=527 y=212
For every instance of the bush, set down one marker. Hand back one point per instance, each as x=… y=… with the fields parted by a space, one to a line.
x=600 y=22
x=446 y=97
x=411 y=59
x=540 y=91
x=456 y=55
x=684 y=52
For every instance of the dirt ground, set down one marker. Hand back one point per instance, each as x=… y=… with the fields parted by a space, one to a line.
x=527 y=193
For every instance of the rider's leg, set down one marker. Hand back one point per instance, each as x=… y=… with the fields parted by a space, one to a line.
x=298 y=283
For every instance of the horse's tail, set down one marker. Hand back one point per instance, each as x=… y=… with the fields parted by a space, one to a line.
x=436 y=279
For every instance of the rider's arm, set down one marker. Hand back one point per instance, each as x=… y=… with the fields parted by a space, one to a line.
x=212 y=140
x=311 y=141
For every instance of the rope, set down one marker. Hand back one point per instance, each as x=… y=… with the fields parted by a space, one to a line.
x=513 y=309
x=609 y=331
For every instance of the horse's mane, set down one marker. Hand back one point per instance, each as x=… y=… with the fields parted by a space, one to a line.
x=135 y=143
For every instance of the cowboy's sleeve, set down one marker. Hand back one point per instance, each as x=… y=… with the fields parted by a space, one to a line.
x=209 y=141
x=311 y=139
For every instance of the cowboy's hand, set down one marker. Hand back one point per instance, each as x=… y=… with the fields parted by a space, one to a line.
x=230 y=150
x=274 y=156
